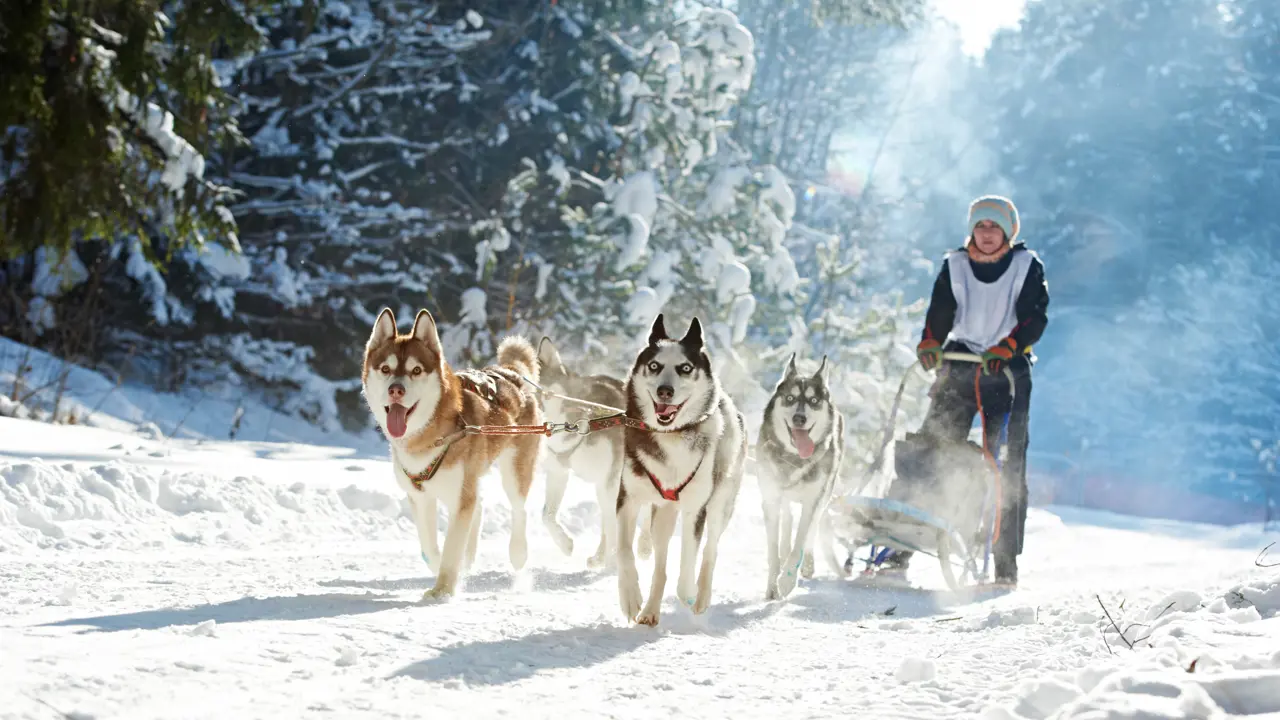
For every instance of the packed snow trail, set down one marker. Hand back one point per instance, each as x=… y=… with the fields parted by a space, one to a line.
x=188 y=580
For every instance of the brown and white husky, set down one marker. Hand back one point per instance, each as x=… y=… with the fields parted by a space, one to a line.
x=421 y=404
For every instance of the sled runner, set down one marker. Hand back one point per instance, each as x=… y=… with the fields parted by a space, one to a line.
x=931 y=506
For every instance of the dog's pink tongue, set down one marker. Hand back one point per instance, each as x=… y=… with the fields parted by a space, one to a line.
x=804 y=445
x=664 y=410
x=397 y=420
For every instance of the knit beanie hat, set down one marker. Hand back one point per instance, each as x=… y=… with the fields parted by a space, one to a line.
x=999 y=210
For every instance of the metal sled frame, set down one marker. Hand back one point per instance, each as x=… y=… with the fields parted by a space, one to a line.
x=893 y=526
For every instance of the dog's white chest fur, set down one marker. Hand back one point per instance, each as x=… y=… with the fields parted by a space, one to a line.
x=685 y=452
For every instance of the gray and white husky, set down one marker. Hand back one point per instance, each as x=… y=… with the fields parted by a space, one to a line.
x=596 y=457
x=799 y=452
x=687 y=464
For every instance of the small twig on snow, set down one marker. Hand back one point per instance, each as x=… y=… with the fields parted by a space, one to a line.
x=1113 y=622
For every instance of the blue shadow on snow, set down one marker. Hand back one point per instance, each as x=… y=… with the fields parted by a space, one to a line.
x=508 y=660
x=249 y=609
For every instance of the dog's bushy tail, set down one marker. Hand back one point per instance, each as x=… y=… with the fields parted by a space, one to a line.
x=518 y=354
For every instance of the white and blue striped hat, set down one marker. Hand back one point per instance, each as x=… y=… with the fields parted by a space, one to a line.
x=999 y=210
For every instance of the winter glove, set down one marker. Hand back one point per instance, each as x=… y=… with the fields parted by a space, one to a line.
x=930 y=353
x=996 y=356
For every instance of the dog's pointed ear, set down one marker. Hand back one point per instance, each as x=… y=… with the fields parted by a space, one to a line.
x=693 y=337
x=548 y=355
x=384 y=328
x=658 y=331
x=424 y=329
x=791 y=370
x=824 y=372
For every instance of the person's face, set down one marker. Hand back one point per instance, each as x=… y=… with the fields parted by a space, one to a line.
x=988 y=237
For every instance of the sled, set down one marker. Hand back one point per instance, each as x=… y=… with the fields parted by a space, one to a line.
x=929 y=508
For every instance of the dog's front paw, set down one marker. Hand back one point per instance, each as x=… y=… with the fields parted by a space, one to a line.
x=601 y=561
x=786 y=582
x=649 y=616
x=687 y=592
x=644 y=546
x=438 y=593
x=629 y=597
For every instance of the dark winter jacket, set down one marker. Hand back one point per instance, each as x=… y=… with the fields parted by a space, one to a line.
x=1031 y=307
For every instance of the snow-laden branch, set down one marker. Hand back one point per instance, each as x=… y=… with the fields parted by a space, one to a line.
x=368 y=66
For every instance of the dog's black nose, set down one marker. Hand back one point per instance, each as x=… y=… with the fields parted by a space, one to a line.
x=395 y=392
x=666 y=392
x=797 y=420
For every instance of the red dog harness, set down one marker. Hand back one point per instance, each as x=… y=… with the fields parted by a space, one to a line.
x=673 y=495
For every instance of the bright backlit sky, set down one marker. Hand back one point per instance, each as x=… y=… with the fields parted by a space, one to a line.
x=867 y=150
x=978 y=20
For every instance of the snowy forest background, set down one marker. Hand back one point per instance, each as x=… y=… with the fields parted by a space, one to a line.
x=215 y=198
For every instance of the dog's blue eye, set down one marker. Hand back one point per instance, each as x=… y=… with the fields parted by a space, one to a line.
x=654 y=367
x=685 y=369
x=791 y=398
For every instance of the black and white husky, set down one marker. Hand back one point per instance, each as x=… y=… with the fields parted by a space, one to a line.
x=799 y=452
x=688 y=463
x=596 y=457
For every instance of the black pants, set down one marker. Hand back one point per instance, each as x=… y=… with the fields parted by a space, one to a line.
x=950 y=416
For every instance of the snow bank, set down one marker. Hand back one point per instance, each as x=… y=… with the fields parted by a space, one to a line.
x=125 y=506
x=1189 y=659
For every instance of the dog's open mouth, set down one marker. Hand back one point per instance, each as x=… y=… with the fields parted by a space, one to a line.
x=665 y=413
x=804 y=444
x=398 y=418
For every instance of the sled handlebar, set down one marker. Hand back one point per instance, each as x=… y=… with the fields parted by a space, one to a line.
x=977 y=359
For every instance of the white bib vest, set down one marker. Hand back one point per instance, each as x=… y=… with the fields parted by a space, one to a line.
x=985 y=312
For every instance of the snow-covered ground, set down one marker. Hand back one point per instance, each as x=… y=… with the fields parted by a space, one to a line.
x=145 y=578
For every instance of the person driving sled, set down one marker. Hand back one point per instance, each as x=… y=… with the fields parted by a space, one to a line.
x=989 y=299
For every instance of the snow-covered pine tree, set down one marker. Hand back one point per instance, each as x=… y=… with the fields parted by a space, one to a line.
x=678 y=220
x=391 y=143
x=111 y=111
